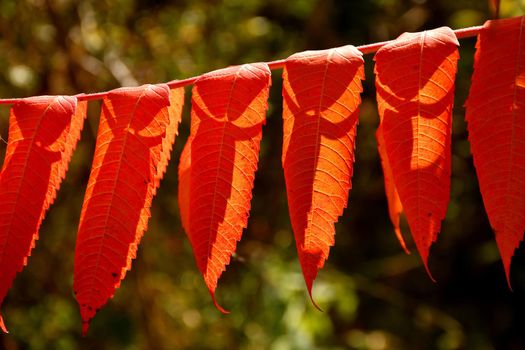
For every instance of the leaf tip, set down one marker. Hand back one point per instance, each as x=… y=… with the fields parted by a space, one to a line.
x=506 y=266
x=87 y=313
x=85 y=327
x=309 y=278
x=506 y=252
x=2 y=325
x=425 y=263
x=220 y=308
x=509 y=284
x=312 y=298
x=401 y=240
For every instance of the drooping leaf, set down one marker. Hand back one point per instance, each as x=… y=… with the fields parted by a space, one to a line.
x=496 y=125
x=415 y=91
x=136 y=133
x=320 y=113
x=43 y=133
x=395 y=208
x=216 y=176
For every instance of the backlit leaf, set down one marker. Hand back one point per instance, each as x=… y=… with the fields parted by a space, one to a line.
x=136 y=133
x=216 y=176
x=415 y=91
x=43 y=133
x=496 y=125
x=320 y=113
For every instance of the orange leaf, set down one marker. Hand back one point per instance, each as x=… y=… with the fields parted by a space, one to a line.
x=2 y=325
x=320 y=112
x=415 y=91
x=395 y=208
x=496 y=124
x=136 y=133
x=216 y=176
x=43 y=133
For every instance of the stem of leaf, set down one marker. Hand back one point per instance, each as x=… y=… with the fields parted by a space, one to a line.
x=277 y=64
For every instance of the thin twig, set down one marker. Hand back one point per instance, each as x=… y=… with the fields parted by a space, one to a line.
x=277 y=64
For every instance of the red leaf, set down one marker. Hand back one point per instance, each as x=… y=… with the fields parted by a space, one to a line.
x=216 y=176
x=136 y=133
x=395 y=208
x=415 y=91
x=320 y=112
x=496 y=125
x=43 y=133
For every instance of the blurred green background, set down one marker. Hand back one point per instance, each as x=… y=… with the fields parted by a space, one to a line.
x=373 y=295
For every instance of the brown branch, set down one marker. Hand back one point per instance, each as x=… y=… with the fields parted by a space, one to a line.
x=277 y=64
